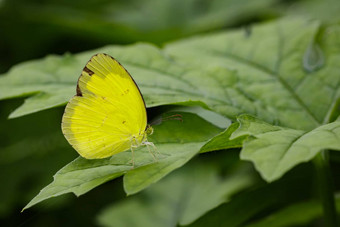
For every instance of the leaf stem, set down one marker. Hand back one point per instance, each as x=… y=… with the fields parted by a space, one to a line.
x=326 y=190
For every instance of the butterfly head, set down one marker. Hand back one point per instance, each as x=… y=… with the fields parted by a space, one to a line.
x=149 y=130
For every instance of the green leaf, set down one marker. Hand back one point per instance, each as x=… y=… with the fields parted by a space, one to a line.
x=275 y=150
x=181 y=197
x=177 y=142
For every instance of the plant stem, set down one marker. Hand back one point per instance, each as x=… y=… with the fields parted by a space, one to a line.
x=325 y=183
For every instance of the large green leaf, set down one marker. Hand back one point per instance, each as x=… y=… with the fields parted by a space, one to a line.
x=299 y=98
x=284 y=75
x=181 y=197
x=177 y=142
x=293 y=83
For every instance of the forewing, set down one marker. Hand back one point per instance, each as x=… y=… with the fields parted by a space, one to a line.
x=107 y=111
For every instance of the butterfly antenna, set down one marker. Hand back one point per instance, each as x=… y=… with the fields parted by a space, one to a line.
x=177 y=117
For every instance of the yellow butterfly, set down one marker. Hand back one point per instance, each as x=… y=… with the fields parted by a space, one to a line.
x=108 y=114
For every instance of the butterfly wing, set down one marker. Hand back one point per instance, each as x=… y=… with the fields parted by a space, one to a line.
x=107 y=112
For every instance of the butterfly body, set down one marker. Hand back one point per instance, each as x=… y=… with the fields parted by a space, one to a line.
x=108 y=115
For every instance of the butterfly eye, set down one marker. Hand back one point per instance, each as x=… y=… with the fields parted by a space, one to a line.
x=149 y=130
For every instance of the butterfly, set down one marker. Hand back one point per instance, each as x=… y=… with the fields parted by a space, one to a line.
x=108 y=113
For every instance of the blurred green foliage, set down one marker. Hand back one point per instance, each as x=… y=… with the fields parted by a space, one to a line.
x=34 y=28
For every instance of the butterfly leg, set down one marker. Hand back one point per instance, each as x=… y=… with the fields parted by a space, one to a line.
x=152 y=154
x=133 y=159
x=152 y=150
x=133 y=146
